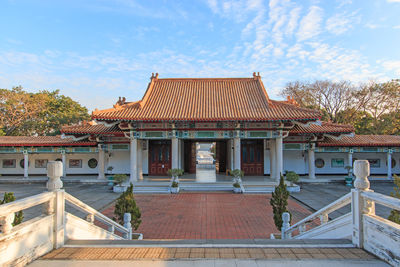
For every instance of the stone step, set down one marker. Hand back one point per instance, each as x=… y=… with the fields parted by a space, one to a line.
x=217 y=243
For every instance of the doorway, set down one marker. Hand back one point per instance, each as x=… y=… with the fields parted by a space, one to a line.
x=159 y=157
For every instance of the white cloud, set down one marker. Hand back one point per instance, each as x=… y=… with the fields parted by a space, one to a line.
x=310 y=25
x=396 y=27
x=392 y=65
x=340 y=23
x=393 y=1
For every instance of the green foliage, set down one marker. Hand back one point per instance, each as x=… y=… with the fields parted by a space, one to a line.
x=279 y=202
x=292 y=177
x=175 y=172
x=42 y=113
x=174 y=184
x=120 y=178
x=236 y=185
x=110 y=168
x=395 y=214
x=19 y=216
x=126 y=204
x=237 y=173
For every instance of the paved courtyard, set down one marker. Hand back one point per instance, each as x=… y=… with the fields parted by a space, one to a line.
x=208 y=216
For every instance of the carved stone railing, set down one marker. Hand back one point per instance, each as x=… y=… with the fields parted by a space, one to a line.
x=322 y=215
x=31 y=239
x=366 y=230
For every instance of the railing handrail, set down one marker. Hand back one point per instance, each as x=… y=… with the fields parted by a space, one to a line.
x=384 y=200
x=25 y=203
x=86 y=208
x=339 y=203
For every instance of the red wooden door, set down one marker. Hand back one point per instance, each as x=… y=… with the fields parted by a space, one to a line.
x=252 y=158
x=190 y=156
x=159 y=157
x=221 y=155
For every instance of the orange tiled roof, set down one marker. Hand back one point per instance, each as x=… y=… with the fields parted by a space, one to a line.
x=90 y=129
x=207 y=99
x=325 y=127
x=41 y=141
x=363 y=140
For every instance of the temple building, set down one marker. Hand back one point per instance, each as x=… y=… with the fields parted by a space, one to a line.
x=250 y=131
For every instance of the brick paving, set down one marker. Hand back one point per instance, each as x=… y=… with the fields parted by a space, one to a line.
x=208 y=216
x=205 y=253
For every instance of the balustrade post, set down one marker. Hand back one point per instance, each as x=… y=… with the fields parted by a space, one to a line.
x=358 y=206
x=127 y=224
x=6 y=223
x=285 y=225
x=54 y=184
x=324 y=218
x=90 y=218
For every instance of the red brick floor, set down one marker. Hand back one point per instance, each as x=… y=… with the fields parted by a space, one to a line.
x=208 y=216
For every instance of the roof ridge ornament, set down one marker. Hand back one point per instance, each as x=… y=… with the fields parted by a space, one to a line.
x=256 y=75
x=154 y=76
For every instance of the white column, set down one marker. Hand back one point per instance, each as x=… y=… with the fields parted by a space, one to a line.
x=236 y=144
x=232 y=156
x=100 y=166
x=272 y=158
x=279 y=157
x=350 y=158
x=140 y=160
x=26 y=164
x=133 y=159
x=311 y=162
x=265 y=142
x=64 y=162
x=174 y=148
x=389 y=164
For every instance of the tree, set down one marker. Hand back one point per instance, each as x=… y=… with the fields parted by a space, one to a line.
x=327 y=96
x=279 y=202
x=42 y=113
x=19 y=216
x=126 y=204
x=395 y=214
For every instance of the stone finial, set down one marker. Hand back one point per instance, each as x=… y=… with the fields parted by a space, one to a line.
x=361 y=171
x=156 y=75
x=127 y=220
x=54 y=172
x=285 y=225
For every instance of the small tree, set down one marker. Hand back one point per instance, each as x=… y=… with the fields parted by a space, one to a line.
x=19 y=216
x=279 y=202
x=395 y=214
x=120 y=178
x=126 y=204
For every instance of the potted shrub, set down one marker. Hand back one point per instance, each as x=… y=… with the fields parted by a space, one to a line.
x=279 y=202
x=292 y=178
x=237 y=180
x=349 y=178
x=175 y=174
x=119 y=179
x=109 y=175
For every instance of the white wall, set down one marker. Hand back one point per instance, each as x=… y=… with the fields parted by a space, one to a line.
x=120 y=160
x=49 y=156
x=293 y=160
x=375 y=155
x=327 y=157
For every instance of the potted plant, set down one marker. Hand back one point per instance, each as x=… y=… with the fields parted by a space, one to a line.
x=119 y=179
x=175 y=174
x=292 y=177
x=237 y=180
x=109 y=175
x=349 y=178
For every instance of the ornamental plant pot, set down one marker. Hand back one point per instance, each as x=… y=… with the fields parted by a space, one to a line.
x=237 y=190
x=119 y=188
x=174 y=190
x=348 y=180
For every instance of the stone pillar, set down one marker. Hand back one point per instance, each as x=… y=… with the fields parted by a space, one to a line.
x=389 y=164
x=279 y=157
x=175 y=151
x=133 y=159
x=26 y=164
x=64 y=163
x=350 y=158
x=311 y=162
x=358 y=205
x=140 y=160
x=57 y=205
x=236 y=144
x=101 y=164
x=272 y=158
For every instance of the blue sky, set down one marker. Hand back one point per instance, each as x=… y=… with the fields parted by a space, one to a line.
x=97 y=50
